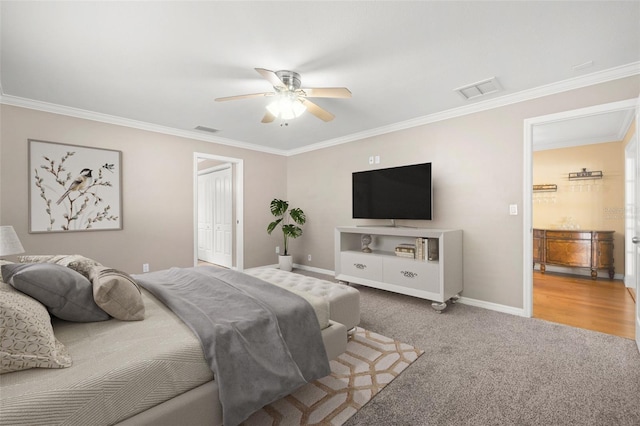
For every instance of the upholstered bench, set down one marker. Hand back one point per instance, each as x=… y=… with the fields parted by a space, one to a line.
x=344 y=301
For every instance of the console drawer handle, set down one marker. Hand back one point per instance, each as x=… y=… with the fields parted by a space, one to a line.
x=409 y=274
x=360 y=265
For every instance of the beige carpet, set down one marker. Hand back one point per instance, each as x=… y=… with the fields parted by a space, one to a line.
x=370 y=363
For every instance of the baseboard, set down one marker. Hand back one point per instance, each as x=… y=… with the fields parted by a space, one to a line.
x=313 y=269
x=581 y=272
x=463 y=300
x=492 y=306
x=298 y=266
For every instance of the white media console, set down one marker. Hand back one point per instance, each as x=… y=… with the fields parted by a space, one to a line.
x=438 y=277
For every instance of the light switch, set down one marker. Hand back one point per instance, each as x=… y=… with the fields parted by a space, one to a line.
x=371 y=160
x=377 y=159
x=513 y=209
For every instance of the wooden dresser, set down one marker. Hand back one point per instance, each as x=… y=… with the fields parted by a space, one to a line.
x=575 y=249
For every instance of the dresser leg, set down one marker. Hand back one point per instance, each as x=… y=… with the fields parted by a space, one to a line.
x=542 y=268
x=612 y=273
x=594 y=274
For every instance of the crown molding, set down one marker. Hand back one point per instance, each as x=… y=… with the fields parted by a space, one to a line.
x=525 y=95
x=120 y=121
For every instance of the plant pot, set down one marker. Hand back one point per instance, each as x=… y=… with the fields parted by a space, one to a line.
x=286 y=263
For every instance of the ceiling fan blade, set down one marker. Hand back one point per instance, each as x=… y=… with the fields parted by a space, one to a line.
x=314 y=109
x=268 y=117
x=252 y=95
x=327 y=92
x=272 y=78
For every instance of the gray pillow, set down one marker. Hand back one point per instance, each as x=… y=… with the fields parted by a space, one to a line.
x=67 y=294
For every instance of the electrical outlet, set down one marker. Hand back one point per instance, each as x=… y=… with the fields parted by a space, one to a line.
x=309 y=258
x=513 y=209
x=377 y=159
x=277 y=249
x=145 y=267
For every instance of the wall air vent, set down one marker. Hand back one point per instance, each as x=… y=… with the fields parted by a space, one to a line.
x=207 y=129
x=481 y=88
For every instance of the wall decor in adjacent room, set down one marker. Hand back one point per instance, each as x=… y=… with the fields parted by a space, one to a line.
x=74 y=188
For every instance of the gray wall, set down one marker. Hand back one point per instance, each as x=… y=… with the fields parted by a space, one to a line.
x=157 y=192
x=477 y=172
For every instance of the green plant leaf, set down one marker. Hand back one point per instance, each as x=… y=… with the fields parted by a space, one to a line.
x=273 y=225
x=279 y=207
x=292 y=231
x=298 y=216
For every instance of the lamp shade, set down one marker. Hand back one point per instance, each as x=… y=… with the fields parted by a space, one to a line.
x=9 y=241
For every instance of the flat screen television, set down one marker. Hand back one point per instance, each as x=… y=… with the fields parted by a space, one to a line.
x=394 y=193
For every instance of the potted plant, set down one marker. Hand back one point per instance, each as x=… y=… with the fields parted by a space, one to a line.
x=290 y=221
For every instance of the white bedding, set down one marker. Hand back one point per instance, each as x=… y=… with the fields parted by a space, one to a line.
x=120 y=368
x=141 y=364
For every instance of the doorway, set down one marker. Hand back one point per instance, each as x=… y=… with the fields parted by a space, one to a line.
x=215 y=214
x=530 y=127
x=218 y=210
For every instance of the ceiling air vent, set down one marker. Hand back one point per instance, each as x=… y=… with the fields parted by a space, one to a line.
x=207 y=129
x=481 y=88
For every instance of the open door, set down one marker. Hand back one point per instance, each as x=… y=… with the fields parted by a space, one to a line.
x=228 y=221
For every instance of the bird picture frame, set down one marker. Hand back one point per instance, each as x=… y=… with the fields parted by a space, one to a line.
x=74 y=188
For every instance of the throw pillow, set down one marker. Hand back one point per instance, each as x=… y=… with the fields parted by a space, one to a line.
x=67 y=294
x=4 y=262
x=74 y=261
x=26 y=335
x=117 y=294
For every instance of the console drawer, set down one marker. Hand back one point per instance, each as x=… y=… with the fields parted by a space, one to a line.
x=361 y=265
x=413 y=274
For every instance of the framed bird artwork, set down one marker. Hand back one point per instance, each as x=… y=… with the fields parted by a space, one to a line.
x=74 y=188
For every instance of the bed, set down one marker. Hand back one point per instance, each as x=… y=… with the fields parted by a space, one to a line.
x=151 y=372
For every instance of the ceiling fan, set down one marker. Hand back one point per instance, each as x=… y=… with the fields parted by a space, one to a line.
x=290 y=99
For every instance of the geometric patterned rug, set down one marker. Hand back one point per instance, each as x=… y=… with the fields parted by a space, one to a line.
x=370 y=363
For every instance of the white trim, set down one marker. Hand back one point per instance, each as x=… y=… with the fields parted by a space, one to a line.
x=492 y=306
x=298 y=266
x=525 y=95
x=527 y=261
x=583 y=272
x=527 y=220
x=238 y=181
x=314 y=269
x=615 y=73
x=126 y=122
x=214 y=169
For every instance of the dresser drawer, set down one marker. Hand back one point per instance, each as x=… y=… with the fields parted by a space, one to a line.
x=413 y=274
x=569 y=235
x=361 y=265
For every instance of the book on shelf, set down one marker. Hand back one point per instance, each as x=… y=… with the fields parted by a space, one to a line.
x=405 y=254
x=406 y=250
x=420 y=248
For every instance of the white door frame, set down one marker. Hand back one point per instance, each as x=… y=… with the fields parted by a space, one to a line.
x=631 y=181
x=527 y=190
x=637 y=220
x=238 y=183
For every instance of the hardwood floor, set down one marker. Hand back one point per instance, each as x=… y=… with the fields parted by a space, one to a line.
x=601 y=305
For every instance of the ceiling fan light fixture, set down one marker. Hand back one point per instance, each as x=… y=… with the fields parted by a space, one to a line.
x=286 y=107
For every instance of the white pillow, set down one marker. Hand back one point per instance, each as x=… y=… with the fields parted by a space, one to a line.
x=26 y=335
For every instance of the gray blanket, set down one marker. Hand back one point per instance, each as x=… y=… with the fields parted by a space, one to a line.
x=261 y=341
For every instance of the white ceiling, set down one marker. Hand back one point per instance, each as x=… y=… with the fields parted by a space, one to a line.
x=163 y=63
